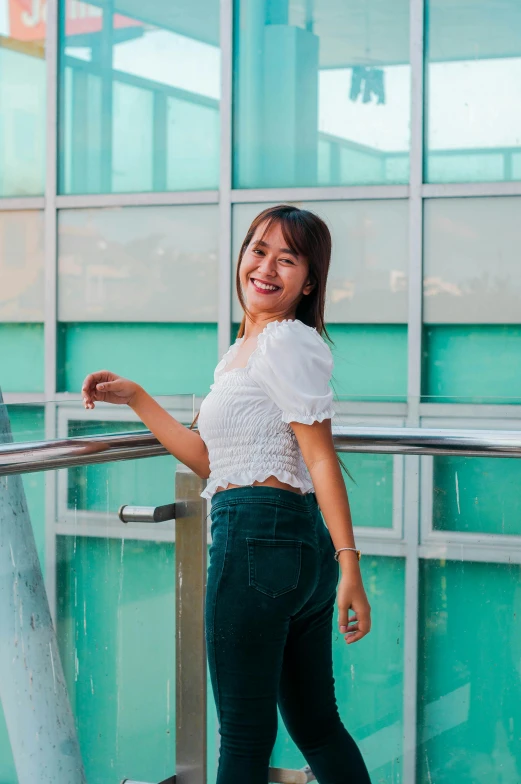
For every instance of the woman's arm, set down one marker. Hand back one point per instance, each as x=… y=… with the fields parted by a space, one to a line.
x=185 y=444
x=318 y=450
x=106 y=387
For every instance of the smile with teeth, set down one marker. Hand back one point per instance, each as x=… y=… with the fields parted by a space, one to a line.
x=263 y=286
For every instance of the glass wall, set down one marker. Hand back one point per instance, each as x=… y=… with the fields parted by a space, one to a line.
x=469 y=712
x=321 y=93
x=128 y=266
x=472 y=300
x=21 y=299
x=473 y=81
x=132 y=277
x=22 y=98
x=139 y=97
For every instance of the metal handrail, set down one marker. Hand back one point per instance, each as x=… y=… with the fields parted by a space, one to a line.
x=32 y=456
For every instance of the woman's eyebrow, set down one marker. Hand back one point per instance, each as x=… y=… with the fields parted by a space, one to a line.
x=282 y=250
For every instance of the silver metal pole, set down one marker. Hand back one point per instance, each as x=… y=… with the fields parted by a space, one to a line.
x=190 y=558
x=34 y=456
x=32 y=685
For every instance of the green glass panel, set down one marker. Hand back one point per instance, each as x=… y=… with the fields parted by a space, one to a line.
x=166 y=359
x=155 y=264
x=139 y=97
x=371 y=492
x=22 y=99
x=321 y=93
x=105 y=487
x=469 y=702
x=477 y=495
x=472 y=363
x=369 y=677
x=21 y=357
x=473 y=54
x=116 y=628
x=516 y=166
x=370 y=361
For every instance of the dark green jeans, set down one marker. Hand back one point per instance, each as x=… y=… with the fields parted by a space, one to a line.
x=270 y=604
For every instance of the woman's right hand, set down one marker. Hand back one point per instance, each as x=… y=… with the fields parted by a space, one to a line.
x=107 y=387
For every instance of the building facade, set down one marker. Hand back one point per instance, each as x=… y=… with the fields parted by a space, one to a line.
x=135 y=148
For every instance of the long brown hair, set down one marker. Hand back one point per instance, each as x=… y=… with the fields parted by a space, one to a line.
x=308 y=236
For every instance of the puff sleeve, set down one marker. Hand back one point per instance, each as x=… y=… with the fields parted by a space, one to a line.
x=293 y=365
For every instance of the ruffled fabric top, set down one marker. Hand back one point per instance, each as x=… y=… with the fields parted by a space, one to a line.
x=245 y=419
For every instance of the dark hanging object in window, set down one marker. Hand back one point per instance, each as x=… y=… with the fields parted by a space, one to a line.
x=369 y=82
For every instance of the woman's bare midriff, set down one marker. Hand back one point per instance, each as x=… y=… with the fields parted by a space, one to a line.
x=271 y=481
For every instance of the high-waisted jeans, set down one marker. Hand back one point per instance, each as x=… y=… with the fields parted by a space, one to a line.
x=270 y=602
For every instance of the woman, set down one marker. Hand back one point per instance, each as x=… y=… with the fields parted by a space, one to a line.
x=266 y=447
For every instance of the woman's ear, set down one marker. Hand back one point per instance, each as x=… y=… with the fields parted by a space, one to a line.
x=308 y=288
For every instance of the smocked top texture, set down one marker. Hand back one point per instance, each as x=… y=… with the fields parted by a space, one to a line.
x=244 y=420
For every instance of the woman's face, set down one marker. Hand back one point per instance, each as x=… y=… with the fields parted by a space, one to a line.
x=272 y=277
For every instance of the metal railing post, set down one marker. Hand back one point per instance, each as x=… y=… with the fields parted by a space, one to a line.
x=191 y=565
x=33 y=691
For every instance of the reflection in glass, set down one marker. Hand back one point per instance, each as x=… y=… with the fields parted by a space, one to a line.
x=22 y=97
x=469 y=702
x=471 y=264
x=139 y=97
x=473 y=87
x=138 y=264
x=321 y=93
x=21 y=266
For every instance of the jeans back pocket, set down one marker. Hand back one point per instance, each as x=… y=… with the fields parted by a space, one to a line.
x=274 y=564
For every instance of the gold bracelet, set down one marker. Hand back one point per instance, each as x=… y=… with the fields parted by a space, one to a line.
x=358 y=553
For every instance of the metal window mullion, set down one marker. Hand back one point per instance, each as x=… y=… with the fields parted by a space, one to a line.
x=456 y=190
x=144 y=199
x=50 y=283
x=20 y=203
x=414 y=382
x=323 y=193
x=224 y=317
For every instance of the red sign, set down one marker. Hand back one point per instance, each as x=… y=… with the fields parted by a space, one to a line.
x=27 y=19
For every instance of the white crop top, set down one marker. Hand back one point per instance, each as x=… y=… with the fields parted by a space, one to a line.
x=244 y=420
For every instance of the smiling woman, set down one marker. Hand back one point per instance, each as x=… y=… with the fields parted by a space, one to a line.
x=280 y=520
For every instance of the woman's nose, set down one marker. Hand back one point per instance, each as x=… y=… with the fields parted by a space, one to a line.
x=267 y=266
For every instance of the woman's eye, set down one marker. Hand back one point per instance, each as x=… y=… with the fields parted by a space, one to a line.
x=288 y=260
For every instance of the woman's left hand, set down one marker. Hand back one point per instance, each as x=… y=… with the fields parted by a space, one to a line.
x=351 y=596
